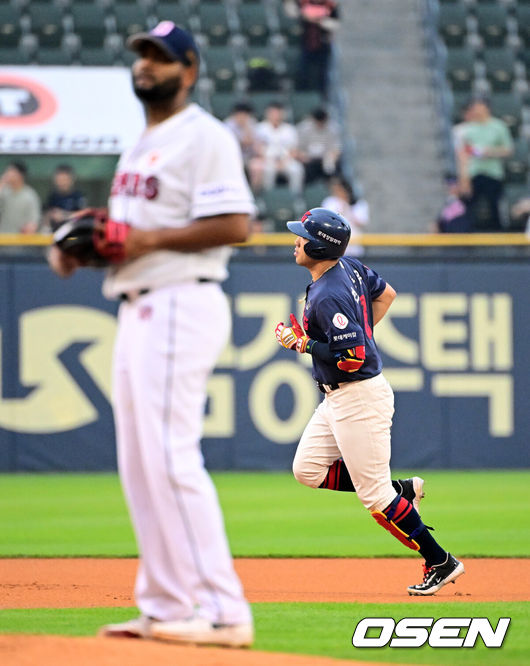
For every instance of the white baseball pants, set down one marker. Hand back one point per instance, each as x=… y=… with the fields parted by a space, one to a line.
x=167 y=344
x=352 y=422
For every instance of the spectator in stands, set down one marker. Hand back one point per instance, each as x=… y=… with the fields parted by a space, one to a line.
x=343 y=200
x=486 y=142
x=455 y=216
x=319 y=20
x=280 y=142
x=20 y=206
x=318 y=145
x=244 y=125
x=64 y=198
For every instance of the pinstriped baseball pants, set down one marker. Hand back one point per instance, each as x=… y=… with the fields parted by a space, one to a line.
x=167 y=344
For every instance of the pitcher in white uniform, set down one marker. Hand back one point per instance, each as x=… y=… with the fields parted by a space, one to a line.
x=183 y=192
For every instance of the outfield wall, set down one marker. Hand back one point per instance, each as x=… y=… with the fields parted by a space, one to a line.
x=455 y=348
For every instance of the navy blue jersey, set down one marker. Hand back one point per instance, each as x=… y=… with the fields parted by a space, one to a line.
x=338 y=311
x=71 y=201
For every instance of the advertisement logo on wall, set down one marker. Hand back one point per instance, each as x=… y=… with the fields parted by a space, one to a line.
x=24 y=101
x=450 y=356
x=74 y=110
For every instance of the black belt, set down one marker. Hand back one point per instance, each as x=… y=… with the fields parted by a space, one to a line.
x=133 y=294
x=327 y=388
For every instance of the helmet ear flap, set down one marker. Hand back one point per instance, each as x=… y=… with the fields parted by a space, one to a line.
x=314 y=251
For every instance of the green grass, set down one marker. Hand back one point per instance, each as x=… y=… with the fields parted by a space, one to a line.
x=318 y=629
x=480 y=513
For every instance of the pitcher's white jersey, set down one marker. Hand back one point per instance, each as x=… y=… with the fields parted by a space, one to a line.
x=174 y=175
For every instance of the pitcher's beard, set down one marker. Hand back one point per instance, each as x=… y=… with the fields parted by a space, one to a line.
x=159 y=93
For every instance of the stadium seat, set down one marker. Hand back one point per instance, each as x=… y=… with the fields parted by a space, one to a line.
x=460 y=99
x=90 y=23
x=522 y=14
x=290 y=57
x=517 y=165
x=10 y=31
x=214 y=22
x=508 y=107
x=221 y=103
x=315 y=193
x=127 y=57
x=499 y=68
x=460 y=68
x=491 y=24
x=279 y=206
x=524 y=57
x=13 y=56
x=289 y=27
x=253 y=22
x=97 y=57
x=130 y=19
x=46 y=22
x=452 y=24
x=53 y=56
x=221 y=66
x=172 y=11
x=303 y=102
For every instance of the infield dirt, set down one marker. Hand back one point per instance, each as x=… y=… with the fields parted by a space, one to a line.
x=88 y=582
x=93 y=582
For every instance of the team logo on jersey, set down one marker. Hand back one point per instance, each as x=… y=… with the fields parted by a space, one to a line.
x=340 y=320
x=135 y=185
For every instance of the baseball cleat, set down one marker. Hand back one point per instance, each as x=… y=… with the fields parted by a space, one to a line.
x=412 y=490
x=437 y=576
x=199 y=631
x=139 y=627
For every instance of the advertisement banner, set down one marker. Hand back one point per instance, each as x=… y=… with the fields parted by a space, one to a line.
x=454 y=346
x=73 y=110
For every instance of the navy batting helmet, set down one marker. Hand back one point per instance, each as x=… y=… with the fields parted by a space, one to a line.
x=328 y=233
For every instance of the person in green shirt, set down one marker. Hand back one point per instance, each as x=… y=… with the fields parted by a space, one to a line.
x=485 y=143
x=20 y=207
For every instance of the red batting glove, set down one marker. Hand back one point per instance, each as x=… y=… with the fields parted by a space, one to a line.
x=292 y=337
x=301 y=338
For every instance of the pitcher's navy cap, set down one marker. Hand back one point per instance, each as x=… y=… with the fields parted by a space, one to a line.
x=176 y=43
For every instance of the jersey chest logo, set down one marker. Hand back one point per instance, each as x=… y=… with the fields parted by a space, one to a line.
x=135 y=185
x=340 y=320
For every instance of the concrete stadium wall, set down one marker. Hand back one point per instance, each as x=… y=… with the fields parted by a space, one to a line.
x=455 y=348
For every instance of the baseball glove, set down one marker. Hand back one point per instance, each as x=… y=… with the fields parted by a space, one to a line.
x=91 y=238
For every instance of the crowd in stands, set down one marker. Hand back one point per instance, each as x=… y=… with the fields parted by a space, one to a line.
x=293 y=156
x=21 y=209
x=276 y=150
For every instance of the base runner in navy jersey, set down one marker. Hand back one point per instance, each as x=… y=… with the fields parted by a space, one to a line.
x=346 y=444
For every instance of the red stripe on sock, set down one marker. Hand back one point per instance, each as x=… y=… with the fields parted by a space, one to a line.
x=400 y=517
x=402 y=509
x=339 y=469
x=329 y=481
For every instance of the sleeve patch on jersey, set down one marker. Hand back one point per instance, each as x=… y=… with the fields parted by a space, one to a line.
x=340 y=320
